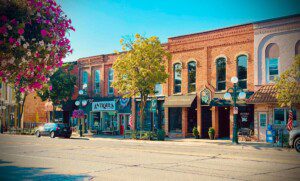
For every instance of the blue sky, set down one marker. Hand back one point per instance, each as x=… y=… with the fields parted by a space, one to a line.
x=100 y=24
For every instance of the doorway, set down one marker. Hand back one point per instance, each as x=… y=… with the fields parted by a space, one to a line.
x=206 y=121
x=124 y=123
x=192 y=116
x=224 y=122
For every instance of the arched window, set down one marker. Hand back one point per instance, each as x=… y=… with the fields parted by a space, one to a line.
x=297 y=48
x=110 y=80
x=177 y=78
x=272 y=62
x=221 y=74
x=85 y=78
x=192 y=76
x=242 y=66
x=97 y=82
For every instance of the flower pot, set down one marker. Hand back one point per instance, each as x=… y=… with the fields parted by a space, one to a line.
x=211 y=136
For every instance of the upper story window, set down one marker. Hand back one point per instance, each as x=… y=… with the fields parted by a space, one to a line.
x=242 y=62
x=97 y=82
x=192 y=76
x=110 y=80
x=297 y=48
x=177 y=77
x=85 y=78
x=158 y=90
x=221 y=74
x=272 y=62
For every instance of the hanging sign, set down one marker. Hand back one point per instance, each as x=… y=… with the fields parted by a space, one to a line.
x=205 y=97
x=244 y=116
x=153 y=105
x=104 y=106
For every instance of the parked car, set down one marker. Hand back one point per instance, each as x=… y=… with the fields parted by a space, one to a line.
x=54 y=130
x=294 y=139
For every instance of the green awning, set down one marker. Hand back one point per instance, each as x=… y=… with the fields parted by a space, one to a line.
x=180 y=100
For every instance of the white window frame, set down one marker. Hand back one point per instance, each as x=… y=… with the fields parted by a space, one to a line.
x=259 y=115
x=268 y=70
x=95 y=89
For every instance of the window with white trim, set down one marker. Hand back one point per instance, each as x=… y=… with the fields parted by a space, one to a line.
x=281 y=116
x=110 y=80
x=242 y=66
x=192 y=76
x=97 y=81
x=221 y=74
x=177 y=77
x=158 y=90
x=85 y=78
x=272 y=62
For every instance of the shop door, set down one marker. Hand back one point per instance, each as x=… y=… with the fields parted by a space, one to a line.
x=124 y=123
x=192 y=116
x=224 y=122
x=206 y=121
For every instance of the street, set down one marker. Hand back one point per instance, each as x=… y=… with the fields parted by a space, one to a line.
x=31 y=158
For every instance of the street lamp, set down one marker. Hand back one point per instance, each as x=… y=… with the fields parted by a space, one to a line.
x=237 y=93
x=81 y=103
x=2 y=116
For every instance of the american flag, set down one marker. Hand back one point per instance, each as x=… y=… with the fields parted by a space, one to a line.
x=130 y=121
x=289 y=125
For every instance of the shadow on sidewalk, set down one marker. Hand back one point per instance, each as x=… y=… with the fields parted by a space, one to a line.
x=10 y=172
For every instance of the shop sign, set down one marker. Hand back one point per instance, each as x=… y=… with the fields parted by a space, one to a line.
x=205 y=97
x=244 y=116
x=153 y=105
x=104 y=106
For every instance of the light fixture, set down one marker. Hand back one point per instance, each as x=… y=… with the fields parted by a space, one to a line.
x=242 y=95
x=77 y=103
x=227 y=96
x=84 y=102
x=84 y=86
x=80 y=92
x=234 y=80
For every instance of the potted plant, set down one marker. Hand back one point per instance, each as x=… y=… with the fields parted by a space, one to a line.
x=196 y=133
x=161 y=135
x=211 y=133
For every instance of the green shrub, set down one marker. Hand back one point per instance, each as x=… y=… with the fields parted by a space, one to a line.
x=211 y=130
x=161 y=135
x=195 y=132
x=134 y=135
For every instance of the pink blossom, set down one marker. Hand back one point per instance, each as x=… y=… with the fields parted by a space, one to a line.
x=50 y=88
x=4 y=18
x=3 y=29
x=11 y=40
x=14 y=22
x=21 y=31
x=44 y=32
x=22 y=90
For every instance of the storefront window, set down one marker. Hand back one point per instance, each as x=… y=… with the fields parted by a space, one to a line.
x=221 y=74
x=109 y=121
x=110 y=80
x=281 y=116
x=175 y=119
x=177 y=78
x=192 y=76
x=242 y=71
x=97 y=82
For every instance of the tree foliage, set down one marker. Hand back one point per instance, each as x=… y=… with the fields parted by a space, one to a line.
x=140 y=68
x=60 y=88
x=288 y=85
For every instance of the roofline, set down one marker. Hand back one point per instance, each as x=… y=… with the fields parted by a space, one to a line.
x=238 y=25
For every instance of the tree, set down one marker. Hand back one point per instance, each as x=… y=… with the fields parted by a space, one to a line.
x=60 y=87
x=140 y=68
x=288 y=85
x=33 y=43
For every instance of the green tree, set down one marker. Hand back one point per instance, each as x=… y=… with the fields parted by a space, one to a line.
x=140 y=68
x=60 y=87
x=288 y=85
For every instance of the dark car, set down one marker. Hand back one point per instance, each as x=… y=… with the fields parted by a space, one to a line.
x=294 y=139
x=54 y=130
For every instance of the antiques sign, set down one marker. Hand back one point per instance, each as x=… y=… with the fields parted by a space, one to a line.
x=104 y=106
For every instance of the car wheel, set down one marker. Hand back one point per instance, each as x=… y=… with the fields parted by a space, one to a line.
x=38 y=134
x=52 y=134
x=297 y=144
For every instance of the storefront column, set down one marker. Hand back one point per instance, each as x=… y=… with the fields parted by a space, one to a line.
x=133 y=113
x=231 y=122
x=215 y=120
x=166 y=125
x=184 y=121
x=199 y=115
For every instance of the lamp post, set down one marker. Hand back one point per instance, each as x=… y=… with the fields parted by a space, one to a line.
x=237 y=93
x=2 y=108
x=81 y=102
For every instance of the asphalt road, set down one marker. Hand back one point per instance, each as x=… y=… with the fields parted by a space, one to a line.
x=31 y=158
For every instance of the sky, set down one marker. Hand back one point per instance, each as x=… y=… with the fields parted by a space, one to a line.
x=100 y=24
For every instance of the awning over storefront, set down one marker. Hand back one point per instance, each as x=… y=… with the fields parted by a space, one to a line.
x=219 y=100
x=265 y=94
x=180 y=100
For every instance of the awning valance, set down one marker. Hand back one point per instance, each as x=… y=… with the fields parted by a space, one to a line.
x=180 y=100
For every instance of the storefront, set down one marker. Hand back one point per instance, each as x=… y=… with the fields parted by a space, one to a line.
x=154 y=113
x=107 y=115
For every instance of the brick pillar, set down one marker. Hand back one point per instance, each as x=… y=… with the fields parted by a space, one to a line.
x=199 y=114
x=133 y=113
x=184 y=121
x=166 y=125
x=215 y=120
x=231 y=122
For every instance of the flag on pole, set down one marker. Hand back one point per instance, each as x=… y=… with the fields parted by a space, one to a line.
x=289 y=125
x=130 y=122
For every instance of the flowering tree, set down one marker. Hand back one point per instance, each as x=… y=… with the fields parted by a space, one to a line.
x=33 y=43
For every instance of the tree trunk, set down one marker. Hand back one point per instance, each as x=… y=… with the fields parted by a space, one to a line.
x=142 y=108
x=20 y=109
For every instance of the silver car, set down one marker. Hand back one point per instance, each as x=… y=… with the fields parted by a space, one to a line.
x=294 y=139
